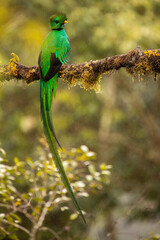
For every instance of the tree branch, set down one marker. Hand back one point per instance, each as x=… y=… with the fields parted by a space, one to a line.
x=43 y=214
x=88 y=74
x=17 y=226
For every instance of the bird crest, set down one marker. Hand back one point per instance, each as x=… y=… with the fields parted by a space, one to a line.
x=58 y=20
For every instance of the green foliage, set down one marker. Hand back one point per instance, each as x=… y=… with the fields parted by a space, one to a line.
x=156 y=237
x=105 y=26
x=30 y=190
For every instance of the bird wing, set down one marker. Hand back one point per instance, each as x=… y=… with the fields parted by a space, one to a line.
x=63 y=50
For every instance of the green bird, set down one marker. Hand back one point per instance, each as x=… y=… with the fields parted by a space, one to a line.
x=54 y=52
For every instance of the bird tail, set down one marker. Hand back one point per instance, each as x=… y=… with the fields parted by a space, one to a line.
x=46 y=93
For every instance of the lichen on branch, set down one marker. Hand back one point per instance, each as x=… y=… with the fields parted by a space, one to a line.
x=87 y=75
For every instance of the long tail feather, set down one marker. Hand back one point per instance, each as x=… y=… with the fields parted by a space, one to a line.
x=51 y=127
x=45 y=93
x=49 y=86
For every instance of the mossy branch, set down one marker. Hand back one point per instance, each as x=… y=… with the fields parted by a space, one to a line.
x=136 y=62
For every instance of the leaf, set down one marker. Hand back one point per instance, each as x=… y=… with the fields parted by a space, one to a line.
x=42 y=189
x=84 y=148
x=91 y=169
x=16 y=160
x=39 y=173
x=13 y=236
x=2 y=233
x=64 y=208
x=73 y=216
x=38 y=199
x=79 y=184
x=16 y=217
x=50 y=209
x=2 y=215
x=106 y=172
x=103 y=166
x=12 y=188
x=6 y=196
x=83 y=194
x=89 y=178
x=11 y=229
x=105 y=179
x=30 y=161
x=25 y=196
x=91 y=154
x=2 y=151
x=37 y=209
x=10 y=219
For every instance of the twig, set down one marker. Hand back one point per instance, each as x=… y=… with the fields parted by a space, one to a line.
x=19 y=209
x=37 y=226
x=51 y=231
x=17 y=226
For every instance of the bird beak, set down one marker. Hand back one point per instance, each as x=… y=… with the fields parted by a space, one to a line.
x=65 y=21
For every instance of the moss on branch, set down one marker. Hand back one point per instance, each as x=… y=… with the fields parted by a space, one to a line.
x=88 y=74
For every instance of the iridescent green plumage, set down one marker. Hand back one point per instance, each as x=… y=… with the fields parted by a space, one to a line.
x=54 y=52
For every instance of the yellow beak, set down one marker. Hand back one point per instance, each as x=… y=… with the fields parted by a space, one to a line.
x=65 y=21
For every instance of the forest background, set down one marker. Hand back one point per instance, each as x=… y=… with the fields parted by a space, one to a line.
x=121 y=123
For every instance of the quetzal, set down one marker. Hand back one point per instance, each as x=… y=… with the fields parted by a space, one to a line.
x=54 y=52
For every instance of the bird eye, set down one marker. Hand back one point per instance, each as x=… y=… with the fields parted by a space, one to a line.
x=56 y=21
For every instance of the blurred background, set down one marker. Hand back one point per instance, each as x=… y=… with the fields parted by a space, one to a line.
x=121 y=124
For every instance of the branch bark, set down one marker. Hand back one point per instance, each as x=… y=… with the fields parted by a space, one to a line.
x=41 y=219
x=136 y=62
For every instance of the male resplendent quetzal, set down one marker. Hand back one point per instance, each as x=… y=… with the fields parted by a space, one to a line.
x=54 y=52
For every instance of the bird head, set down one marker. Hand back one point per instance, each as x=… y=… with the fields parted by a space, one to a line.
x=58 y=21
